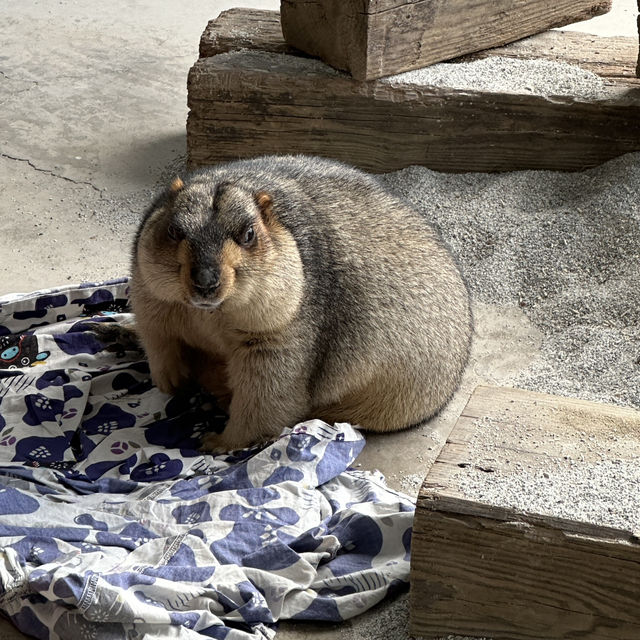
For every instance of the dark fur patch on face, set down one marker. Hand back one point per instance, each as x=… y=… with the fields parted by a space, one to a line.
x=234 y=211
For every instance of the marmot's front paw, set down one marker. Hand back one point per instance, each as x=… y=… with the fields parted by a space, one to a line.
x=170 y=379
x=115 y=334
x=224 y=442
x=215 y=443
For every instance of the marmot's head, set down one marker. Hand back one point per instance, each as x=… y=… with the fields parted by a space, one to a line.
x=204 y=243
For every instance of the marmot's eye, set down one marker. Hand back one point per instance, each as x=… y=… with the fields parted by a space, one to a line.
x=249 y=236
x=174 y=233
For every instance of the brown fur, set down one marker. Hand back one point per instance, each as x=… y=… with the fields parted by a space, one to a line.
x=295 y=288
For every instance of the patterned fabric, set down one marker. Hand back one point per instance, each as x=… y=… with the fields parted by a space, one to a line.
x=113 y=525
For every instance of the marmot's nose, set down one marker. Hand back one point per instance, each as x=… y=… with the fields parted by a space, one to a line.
x=205 y=280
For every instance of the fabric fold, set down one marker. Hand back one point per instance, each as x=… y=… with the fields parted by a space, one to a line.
x=113 y=524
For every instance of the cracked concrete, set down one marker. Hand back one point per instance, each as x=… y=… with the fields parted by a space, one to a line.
x=93 y=111
x=51 y=173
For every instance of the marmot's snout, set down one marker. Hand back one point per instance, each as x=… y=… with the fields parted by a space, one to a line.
x=205 y=287
x=205 y=281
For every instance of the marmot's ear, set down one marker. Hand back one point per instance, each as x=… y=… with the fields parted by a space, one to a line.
x=176 y=185
x=265 y=204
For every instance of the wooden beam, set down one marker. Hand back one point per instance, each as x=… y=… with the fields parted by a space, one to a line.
x=484 y=567
x=613 y=58
x=249 y=96
x=237 y=29
x=376 y=38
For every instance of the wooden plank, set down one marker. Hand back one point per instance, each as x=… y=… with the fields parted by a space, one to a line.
x=613 y=58
x=376 y=38
x=237 y=29
x=258 y=100
x=477 y=576
x=482 y=567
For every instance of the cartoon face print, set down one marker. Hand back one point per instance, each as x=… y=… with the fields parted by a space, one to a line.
x=20 y=351
x=105 y=308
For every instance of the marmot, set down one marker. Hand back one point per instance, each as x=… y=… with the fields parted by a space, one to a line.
x=294 y=287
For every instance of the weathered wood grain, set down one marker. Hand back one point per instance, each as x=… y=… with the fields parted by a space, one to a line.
x=238 y=29
x=376 y=38
x=482 y=577
x=247 y=96
x=480 y=569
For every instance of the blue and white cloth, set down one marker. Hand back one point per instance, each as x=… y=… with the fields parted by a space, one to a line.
x=113 y=525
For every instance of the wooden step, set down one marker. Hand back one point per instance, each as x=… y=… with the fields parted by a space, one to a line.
x=250 y=95
x=526 y=525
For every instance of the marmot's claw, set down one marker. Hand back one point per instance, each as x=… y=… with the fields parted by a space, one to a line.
x=214 y=445
x=113 y=333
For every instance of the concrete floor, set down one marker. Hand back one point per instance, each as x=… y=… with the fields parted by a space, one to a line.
x=93 y=106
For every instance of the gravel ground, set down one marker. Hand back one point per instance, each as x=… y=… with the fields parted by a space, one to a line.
x=603 y=493
x=563 y=247
x=508 y=75
x=588 y=474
